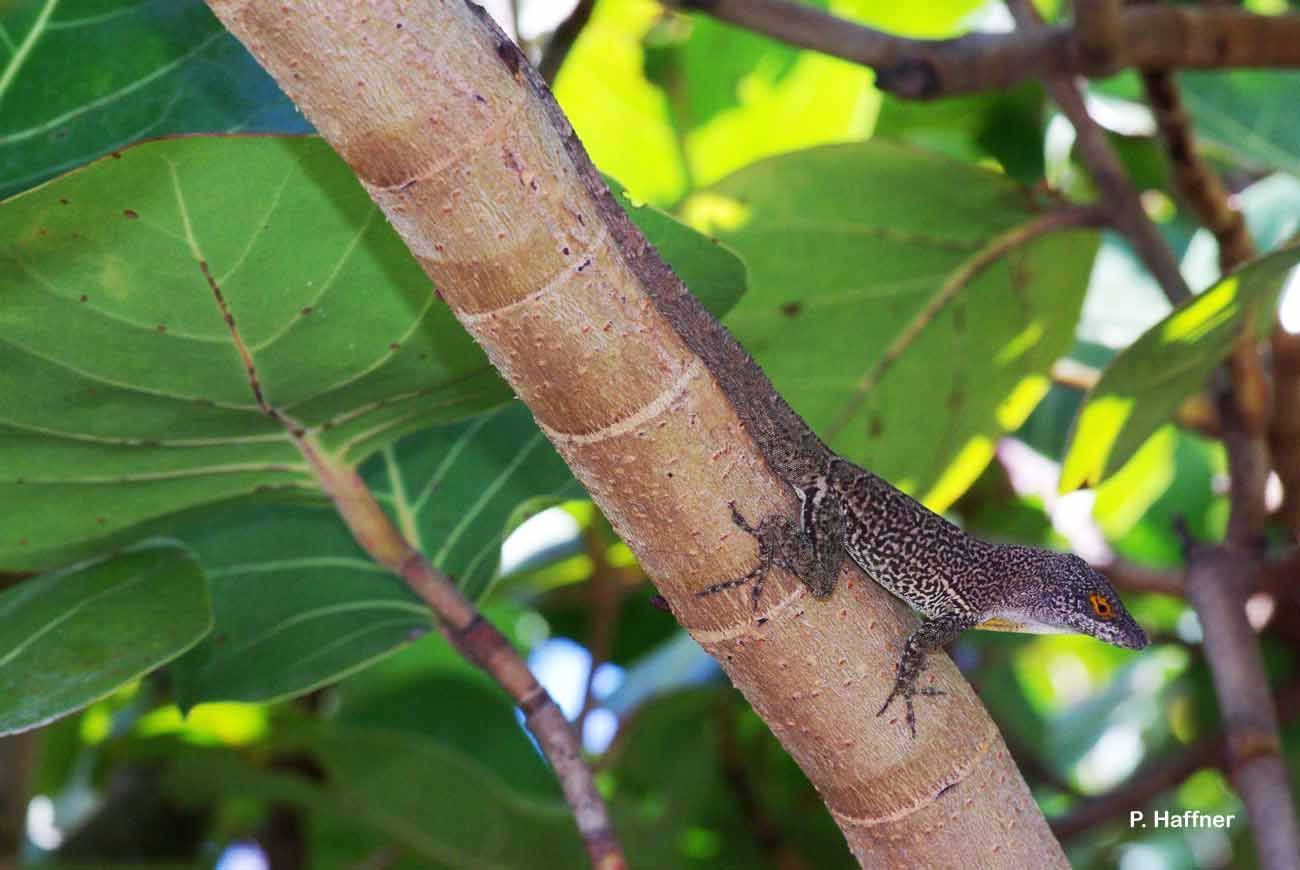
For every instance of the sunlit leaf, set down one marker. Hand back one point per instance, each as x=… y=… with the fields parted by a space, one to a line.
x=70 y=637
x=666 y=103
x=847 y=249
x=160 y=67
x=1140 y=390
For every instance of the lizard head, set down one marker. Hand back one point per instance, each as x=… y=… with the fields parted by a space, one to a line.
x=1075 y=597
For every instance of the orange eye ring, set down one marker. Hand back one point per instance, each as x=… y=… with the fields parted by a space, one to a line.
x=1101 y=606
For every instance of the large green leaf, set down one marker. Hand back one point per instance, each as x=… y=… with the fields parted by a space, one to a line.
x=1140 y=390
x=127 y=395
x=425 y=799
x=70 y=637
x=850 y=248
x=127 y=398
x=159 y=67
x=299 y=605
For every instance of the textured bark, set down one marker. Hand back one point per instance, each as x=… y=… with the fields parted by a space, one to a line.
x=460 y=144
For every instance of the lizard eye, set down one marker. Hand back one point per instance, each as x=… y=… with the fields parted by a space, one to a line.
x=1101 y=606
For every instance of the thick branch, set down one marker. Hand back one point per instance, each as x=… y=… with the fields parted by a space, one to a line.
x=1217 y=578
x=460 y=144
x=1148 y=37
x=1099 y=33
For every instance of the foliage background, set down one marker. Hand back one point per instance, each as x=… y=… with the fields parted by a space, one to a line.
x=259 y=681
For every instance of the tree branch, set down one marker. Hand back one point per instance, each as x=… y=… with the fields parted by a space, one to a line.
x=17 y=764
x=1099 y=33
x=459 y=142
x=1148 y=37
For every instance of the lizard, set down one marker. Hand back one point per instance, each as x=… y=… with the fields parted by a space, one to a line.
x=954 y=580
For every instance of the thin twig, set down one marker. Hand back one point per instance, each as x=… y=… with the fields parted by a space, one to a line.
x=736 y=771
x=557 y=49
x=480 y=642
x=1139 y=578
x=1284 y=434
x=1108 y=173
x=606 y=588
x=1144 y=786
x=1151 y=37
x=17 y=765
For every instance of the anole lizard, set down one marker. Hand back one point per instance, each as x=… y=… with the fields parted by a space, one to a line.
x=956 y=581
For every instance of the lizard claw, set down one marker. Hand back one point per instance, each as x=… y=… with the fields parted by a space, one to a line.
x=906 y=688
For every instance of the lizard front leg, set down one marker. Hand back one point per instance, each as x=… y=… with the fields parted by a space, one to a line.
x=932 y=635
x=812 y=551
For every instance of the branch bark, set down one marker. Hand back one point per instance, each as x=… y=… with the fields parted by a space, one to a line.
x=1148 y=37
x=457 y=139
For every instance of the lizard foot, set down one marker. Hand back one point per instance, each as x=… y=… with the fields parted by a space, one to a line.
x=765 y=559
x=906 y=688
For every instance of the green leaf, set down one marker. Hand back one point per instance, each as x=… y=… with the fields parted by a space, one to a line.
x=422 y=798
x=847 y=247
x=299 y=605
x=1246 y=116
x=1004 y=125
x=430 y=689
x=666 y=103
x=128 y=398
x=71 y=637
x=1140 y=390
x=160 y=67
